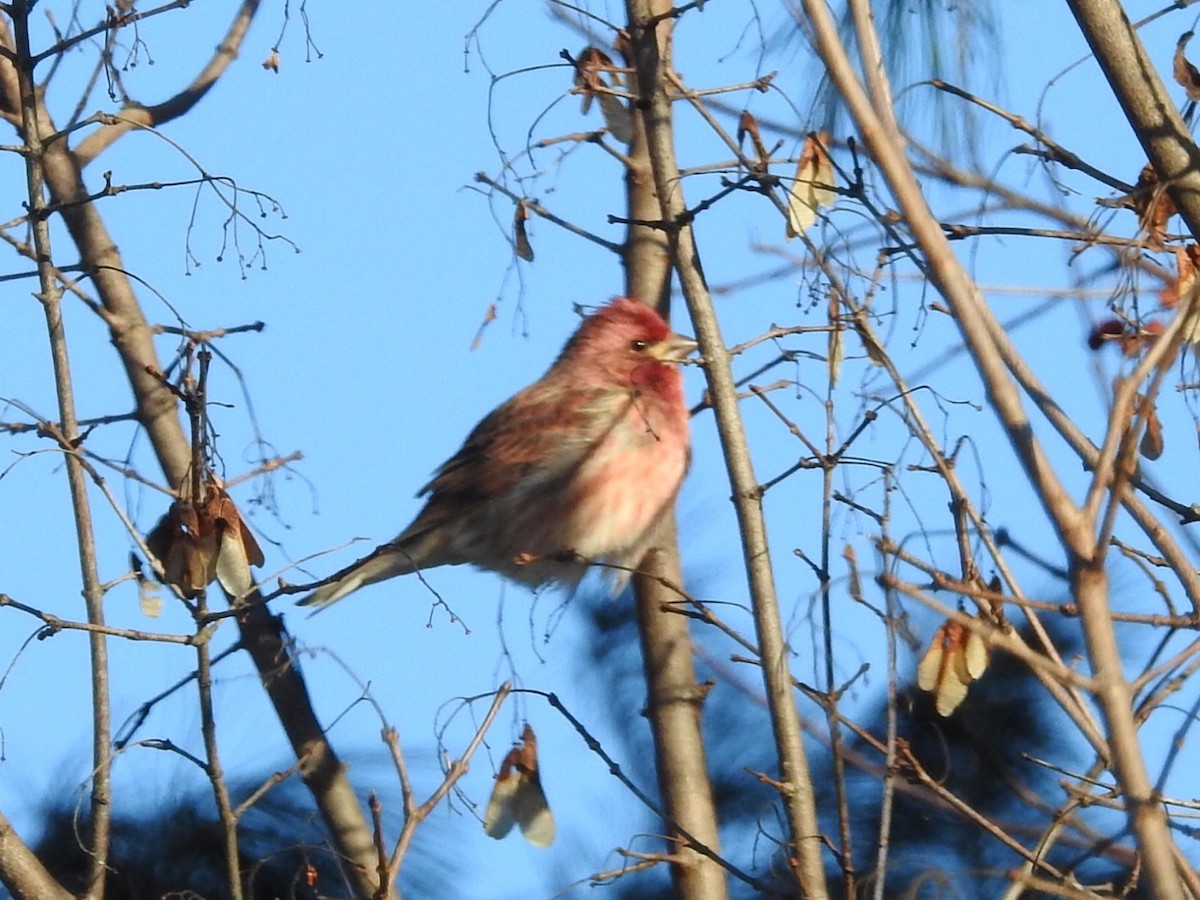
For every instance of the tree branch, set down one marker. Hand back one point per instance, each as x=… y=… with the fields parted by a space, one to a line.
x=652 y=63
x=134 y=115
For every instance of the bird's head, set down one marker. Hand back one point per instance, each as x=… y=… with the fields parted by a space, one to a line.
x=629 y=342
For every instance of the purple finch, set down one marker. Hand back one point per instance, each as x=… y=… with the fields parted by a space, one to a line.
x=578 y=468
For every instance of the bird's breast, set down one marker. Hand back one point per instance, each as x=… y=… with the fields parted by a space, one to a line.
x=632 y=474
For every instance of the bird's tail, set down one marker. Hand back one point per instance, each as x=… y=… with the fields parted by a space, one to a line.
x=387 y=561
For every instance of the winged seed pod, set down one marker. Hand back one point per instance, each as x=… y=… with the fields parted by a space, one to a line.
x=517 y=797
x=957 y=655
x=812 y=187
x=198 y=543
x=1186 y=74
x=595 y=77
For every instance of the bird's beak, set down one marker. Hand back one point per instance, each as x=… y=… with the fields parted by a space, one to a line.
x=675 y=348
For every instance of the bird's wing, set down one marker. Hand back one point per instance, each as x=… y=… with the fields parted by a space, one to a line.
x=538 y=434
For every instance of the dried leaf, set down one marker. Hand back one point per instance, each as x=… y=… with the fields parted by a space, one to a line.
x=812 y=187
x=272 y=62
x=748 y=127
x=1186 y=75
x=488 y=318
x=854 y=587
x=996 y=586
x=589 y=68
x=1153 y=205
x=1186 y=259
x=1191 y=324
x=520 y=235
x=1134 y=342
x=517 y=797
x=596 y=77
x=1151 y=445
x=1184 y=278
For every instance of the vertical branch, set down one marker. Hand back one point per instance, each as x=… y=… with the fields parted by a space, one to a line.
x=647 y=17
x=197 y=409
x=887 y=806
x=216 y=775
x=50 y=297
x=845 y=848
x=674 y=699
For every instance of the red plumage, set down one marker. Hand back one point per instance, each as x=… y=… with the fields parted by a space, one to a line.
x=575 y=469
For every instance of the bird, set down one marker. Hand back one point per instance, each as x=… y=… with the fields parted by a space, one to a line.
x=577 y=469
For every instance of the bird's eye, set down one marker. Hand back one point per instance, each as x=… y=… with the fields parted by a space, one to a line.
x=637 y=346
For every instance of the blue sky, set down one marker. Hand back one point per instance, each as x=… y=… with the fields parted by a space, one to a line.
x=367 y=367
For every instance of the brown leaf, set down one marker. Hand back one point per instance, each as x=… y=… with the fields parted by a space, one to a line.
x=1151 y=445
x=272 y=62
x=517 y=797
x=1186 y=75
x=1153 y=205
x=1134 y=342
x=1186 y=259
x=589 y=68
x=748 y=127
x=595 y=77
x=812 y=187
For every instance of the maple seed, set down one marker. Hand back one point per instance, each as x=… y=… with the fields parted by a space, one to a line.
x=748 y=127
x=199 y=543
x=517 y=796
x=591 y=69
x=1151 y=445
x=1186 y=259
x=957 y=655
x=520 y=234
x=813 y=185
x=1186 y=74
